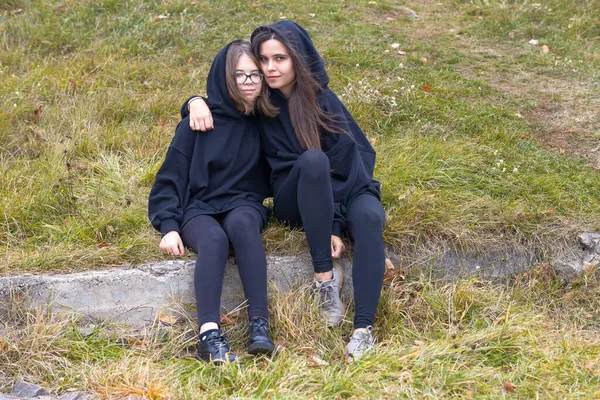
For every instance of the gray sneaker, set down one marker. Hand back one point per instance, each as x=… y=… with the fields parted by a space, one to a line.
x=360 y=343
x=332 y=308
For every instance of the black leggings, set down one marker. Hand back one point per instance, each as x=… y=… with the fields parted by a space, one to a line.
x=306 y=199
x=209 y=236
x=364 y=221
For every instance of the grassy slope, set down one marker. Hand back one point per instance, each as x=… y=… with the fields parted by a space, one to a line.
x=91 y=93
x=461 y=159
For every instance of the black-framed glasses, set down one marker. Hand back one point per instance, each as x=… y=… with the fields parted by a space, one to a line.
x=241 y=77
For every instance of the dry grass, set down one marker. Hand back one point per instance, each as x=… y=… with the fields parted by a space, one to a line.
x=435 y=340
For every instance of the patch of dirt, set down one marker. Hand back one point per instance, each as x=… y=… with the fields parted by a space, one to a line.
x=564 y=116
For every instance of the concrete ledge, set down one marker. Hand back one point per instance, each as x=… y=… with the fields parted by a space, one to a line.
x=136 y=295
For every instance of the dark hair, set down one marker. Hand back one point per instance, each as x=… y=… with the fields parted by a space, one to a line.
x=306 y=115
x=262 y=103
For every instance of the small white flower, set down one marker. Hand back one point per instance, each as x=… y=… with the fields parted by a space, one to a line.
x=15 y=104
x=515 y=170
x=395 y=45
x=358 y=65
x=412 y=86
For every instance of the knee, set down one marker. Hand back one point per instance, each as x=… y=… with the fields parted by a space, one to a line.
x=369 y=218
x=314 y=163
x=212 y=238
x=243 y=223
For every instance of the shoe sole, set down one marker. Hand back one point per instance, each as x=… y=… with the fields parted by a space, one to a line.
x=259 y=348
x=340 y=273
x=219 y=361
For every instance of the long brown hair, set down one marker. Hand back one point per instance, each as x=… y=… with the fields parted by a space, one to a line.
x=262 y=103
x=306 y=115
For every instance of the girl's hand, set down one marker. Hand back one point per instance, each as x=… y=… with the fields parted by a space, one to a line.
x=337 y=247
x=171 y=244
x=200 y=115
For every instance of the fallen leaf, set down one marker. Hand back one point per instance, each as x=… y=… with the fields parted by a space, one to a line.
x=524 y=137
x=17 y=11
x=316 y=361
x=395 y=45
x=193 y=3
x=419 y=343
x=167 y=319
x=534 y=42
x=509 y=387
x=110 y=228
x=312 y=15
x=402 y=53
x=545 y=49
x=159 y=17
x=424 y=59
x=518 y=115
x=389 y=264
x=390 y=19
x=3 y=345
x=590 y=366
x=562 y=151
x=405 y=376
x=138 y=344
x=372 y=141
x=373 y=2
x=427 y=88
x=37 y=114
x=103 y=245
x=568 y=296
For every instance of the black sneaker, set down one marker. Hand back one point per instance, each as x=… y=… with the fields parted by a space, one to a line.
x=260 y=337
x=214 y=347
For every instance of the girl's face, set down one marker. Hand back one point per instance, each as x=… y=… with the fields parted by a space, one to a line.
x=277 y=66
x=248 y=78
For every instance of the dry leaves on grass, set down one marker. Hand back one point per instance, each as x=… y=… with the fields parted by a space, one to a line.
x=316 y=361
x=508 y=387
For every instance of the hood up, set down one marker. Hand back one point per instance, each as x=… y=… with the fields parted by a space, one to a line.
x=221 y=103
x=296 y=37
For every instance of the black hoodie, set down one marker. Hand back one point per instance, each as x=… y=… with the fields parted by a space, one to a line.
x=214 y=172
x=351 y=156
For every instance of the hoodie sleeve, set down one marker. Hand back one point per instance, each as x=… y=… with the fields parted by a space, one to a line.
x=167 y=196
x=340 y=150
x=185 y=112
x=344 y=120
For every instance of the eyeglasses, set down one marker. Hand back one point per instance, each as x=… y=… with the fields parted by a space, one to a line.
x=241 y=77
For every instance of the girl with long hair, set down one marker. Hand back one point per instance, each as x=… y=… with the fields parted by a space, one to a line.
x=209 y=192
x=321 y=173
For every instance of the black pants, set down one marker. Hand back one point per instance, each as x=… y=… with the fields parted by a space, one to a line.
x=209 y=236
x=364 y=222
x=306 y=199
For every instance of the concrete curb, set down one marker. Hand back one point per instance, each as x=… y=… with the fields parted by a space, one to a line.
x=137 y=295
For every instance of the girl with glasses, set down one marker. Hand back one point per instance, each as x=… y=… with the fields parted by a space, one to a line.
x=209 y=192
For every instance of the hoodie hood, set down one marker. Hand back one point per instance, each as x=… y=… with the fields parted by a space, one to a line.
x=221 y=103
x=297 y=38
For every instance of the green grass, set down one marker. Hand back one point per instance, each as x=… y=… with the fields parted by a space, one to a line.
x=92 y=91
x=436 y=340
x=471 y=127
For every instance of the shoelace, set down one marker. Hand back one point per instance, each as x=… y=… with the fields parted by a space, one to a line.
x=363 y=340
x=260 y=324
x=325 y=292
x=218 y=341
